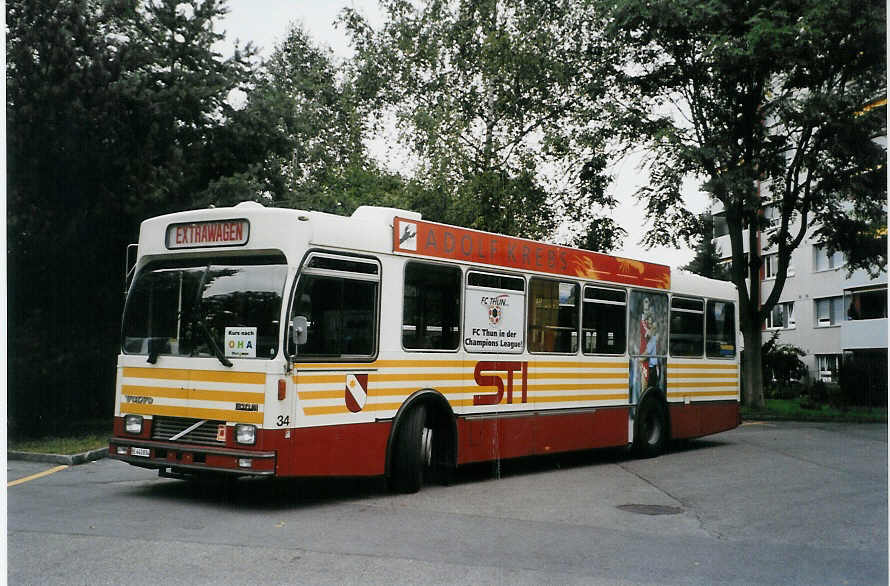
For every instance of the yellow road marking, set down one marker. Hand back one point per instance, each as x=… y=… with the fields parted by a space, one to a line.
x=36 y=476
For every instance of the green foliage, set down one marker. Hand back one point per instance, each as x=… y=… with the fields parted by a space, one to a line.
x=767 y=102
x=782 y=363
x=118 y=111
x=707 y=261
x=494 y=100
x=799 y=409
x=112 y=110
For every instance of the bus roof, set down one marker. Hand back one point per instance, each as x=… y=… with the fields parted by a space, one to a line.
x=252 y=226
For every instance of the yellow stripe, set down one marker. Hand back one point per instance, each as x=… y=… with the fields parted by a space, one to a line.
x=423 y=379
x=575 y=387
x=35 y=476
x=732 y=375
x=702 y=365
x=382 y=364
x=680 y=394
x=194 y=412
x=573 y=398
x=195 y=394
x=697 y=385
x=588 y=364
x=341 y=409
x=476 y=390
x=216 y=376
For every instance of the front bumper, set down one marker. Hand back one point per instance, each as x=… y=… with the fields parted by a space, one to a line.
x=191 y=458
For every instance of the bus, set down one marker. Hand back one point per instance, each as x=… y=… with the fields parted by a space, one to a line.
x=259 y=341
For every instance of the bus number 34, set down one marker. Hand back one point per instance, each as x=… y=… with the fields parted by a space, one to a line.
x=489 y=380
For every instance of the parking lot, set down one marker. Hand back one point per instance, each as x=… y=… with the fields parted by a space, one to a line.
x=767 y=503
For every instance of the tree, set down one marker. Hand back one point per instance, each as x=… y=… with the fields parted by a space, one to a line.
x=110 y=106
x=707 y=260
x=299 y=140
x=489 y=98
x=767 y=101
x=782 y=362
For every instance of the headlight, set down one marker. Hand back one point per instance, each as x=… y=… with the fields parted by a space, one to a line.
x=245 y=434
x=133 y=424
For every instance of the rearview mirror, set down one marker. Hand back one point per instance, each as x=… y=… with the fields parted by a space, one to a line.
x=299 y=330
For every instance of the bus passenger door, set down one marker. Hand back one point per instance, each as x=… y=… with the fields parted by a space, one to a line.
x=647 y=344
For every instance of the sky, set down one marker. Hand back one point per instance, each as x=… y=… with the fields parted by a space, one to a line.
x=265 y=23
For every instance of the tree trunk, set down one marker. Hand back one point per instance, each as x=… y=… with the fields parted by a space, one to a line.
x=752 y=366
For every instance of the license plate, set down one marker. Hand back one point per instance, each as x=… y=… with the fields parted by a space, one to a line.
x=140 y=452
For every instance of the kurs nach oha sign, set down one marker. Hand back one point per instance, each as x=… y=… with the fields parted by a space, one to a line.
x=441 y=241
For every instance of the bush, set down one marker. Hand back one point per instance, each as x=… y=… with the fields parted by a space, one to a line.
x=782 y=369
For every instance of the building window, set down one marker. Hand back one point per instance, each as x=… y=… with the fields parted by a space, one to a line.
x=866 y=303
x=721 y=227
x=773 y=217
x=828 y=366
x=431 y=307
x=687 y=335
x=603 y=321
x=771 y=266
x=822 y=261
x=829 y=311
x=782 y=316
x=553 y=316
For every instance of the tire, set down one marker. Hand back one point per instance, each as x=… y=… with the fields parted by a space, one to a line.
x=650 y=433
x=409 y=456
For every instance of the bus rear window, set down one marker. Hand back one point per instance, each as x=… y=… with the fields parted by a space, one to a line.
x=721 y=329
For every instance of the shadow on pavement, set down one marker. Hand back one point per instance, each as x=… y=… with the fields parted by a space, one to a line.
x=266 y=494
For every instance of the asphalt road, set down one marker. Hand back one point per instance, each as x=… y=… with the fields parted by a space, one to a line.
x=771 y=503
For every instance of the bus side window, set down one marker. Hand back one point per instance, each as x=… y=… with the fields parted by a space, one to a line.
x=721 y=329
x=687 y=327
x=553 y=316
x=338 y=297
x=603 y=321
x=431 y=307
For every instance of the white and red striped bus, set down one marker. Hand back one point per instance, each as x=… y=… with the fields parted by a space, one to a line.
x=278 y=342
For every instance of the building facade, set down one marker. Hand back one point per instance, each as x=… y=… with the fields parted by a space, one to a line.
x=830 y=314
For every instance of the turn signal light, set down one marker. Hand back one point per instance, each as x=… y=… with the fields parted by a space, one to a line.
x=282 y=389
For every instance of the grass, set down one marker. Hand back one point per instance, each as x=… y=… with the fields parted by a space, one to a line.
x=798 y=410
x=60 y=445
x=75 y=438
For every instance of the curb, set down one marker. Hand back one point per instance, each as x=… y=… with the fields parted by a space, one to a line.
x=70 y=460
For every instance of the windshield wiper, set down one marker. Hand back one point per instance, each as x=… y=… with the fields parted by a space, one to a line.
x=217 y=351
x=196 y=311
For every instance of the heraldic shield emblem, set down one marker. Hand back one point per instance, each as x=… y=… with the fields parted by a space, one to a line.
x=356 y=391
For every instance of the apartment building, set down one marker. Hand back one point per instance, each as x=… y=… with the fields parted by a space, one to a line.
x=829 y=314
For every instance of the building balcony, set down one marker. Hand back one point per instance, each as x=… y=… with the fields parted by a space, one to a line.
x=863 y=334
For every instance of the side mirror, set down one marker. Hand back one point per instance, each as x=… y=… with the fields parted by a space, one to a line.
x=299 y=330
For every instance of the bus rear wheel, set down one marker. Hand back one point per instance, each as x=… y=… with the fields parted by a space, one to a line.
x=650 y=433
x=412 y=452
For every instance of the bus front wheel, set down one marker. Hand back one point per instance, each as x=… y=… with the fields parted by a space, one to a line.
x=650 y=433
x=412 y=452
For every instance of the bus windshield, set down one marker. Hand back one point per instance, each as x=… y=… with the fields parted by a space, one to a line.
x=225 y=307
